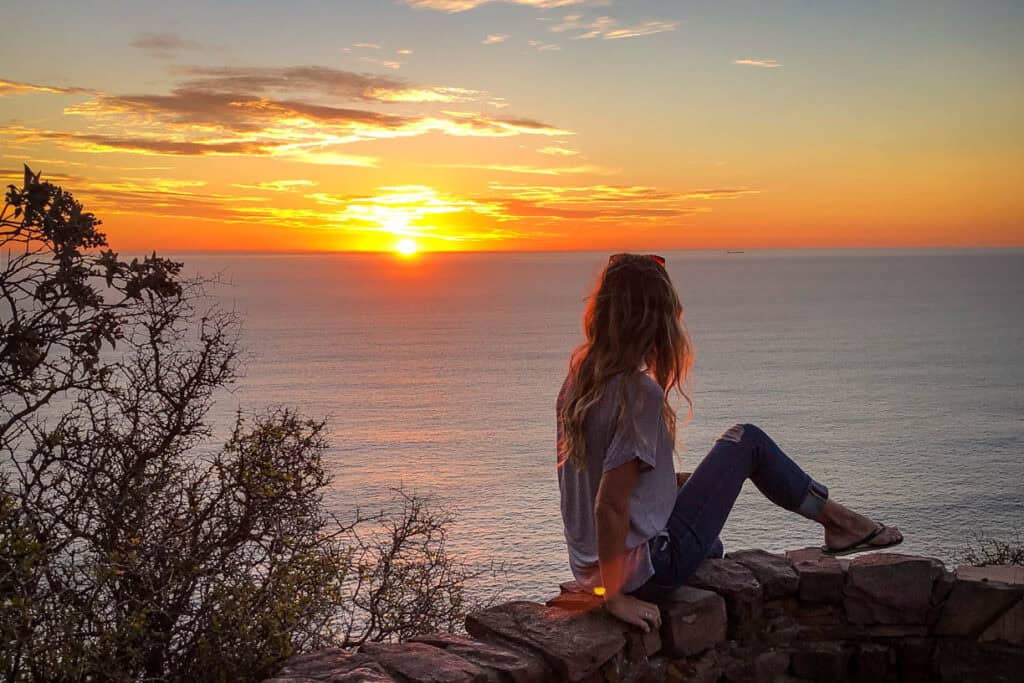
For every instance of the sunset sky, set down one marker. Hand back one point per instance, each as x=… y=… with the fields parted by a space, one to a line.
x=524 y=124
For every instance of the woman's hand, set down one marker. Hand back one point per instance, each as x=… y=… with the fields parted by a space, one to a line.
x=634 y=611
x=681 y=478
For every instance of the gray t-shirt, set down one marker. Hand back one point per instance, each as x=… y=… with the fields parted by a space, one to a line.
x=653 y=498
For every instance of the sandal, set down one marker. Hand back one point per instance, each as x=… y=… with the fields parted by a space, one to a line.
x=863 y=544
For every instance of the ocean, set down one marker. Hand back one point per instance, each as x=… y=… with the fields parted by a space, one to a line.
x=895 y=377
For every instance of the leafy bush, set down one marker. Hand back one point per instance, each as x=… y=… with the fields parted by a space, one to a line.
x=130 y=548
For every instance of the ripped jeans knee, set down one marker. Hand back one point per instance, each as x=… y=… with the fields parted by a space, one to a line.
x=736 y=433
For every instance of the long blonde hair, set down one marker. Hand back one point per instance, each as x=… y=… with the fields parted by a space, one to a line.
x=633 y=317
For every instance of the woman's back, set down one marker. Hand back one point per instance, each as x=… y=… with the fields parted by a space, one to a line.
x=608 y=446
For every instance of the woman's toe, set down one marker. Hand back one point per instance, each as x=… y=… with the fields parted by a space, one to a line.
x=891 y=535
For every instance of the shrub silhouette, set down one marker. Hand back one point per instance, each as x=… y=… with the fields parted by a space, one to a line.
x=132 y=549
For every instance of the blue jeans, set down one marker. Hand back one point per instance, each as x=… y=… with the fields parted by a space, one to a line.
x=704 y=502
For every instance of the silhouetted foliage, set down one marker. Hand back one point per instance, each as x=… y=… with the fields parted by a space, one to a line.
x=130 y=549
x=984 y=550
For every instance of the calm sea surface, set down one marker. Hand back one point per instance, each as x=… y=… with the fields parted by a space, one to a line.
x=896 y=377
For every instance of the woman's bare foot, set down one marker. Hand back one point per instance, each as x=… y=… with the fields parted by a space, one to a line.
x=844 y=528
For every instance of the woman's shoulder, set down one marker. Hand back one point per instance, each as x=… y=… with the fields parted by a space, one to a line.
x=640 y=380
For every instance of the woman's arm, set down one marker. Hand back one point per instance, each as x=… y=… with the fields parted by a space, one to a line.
x=611 y=514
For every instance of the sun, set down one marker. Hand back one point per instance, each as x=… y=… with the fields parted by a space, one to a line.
x=406 y=246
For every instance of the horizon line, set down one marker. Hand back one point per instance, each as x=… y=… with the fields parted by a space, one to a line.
x=392 y=252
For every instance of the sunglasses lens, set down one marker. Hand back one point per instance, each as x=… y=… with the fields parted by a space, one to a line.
x=660 y=260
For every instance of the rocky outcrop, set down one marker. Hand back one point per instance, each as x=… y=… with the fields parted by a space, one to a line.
x=752 y=616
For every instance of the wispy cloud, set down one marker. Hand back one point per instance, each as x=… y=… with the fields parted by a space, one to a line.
x=19 y=88
x=264 y=112
x=163 y=45
x=435 y=94
x=541 y=170
x=463 y=5
x=157 y=197
x=278 y=185
x=368 y=46
x=386 y=63
x=604 y=203
x=316 y=80
x=609 y=28
x=647 y=28
x=764 y=63
x=558 y=151
x=541 y=46
x=494 y=38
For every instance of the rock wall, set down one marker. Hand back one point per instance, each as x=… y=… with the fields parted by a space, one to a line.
x=752 y=616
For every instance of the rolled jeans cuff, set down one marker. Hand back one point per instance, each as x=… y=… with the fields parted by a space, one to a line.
x=814 y=501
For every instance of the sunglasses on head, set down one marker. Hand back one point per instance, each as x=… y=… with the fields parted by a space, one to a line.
x=660 y=260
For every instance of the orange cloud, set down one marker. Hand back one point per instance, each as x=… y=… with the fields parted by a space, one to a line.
x=764 y=63
x=558 y=151
x=540 y=170
x=609 y=28
x=235 y=111
x=18 y=88
x=277 y=185
x=463 y=5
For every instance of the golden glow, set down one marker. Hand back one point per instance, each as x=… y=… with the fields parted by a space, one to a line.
x=289 y=157
x=599 y=590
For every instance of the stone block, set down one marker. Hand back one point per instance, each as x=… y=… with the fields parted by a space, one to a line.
x=822 y=662
x=821 y=577
x=705 y=668
x=653 y=671
x=574 y=644
x=809 y=554
x=639 y=645
x=957 y=660
x=422 y=663
x=781 y=630
x=740 y=589
x=576 y=602
x=775 y=573
x=914 y=660
x=872 y=663
x=1008 y=629
x=574 y=597
x=893 y=630
x=738 y=661
x=334 y=665
x=887 y=588
x=502 y=664
x=1009 y=574
x=818 y=621
x=974 y=603
x=770 y=664
x=943 y=587
x=694 y=621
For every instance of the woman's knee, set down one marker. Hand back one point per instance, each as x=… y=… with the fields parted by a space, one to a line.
x=740 y=431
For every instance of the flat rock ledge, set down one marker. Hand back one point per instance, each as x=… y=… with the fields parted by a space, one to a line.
x=752 y=616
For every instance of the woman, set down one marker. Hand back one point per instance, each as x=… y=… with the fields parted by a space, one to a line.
x=635 y=528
